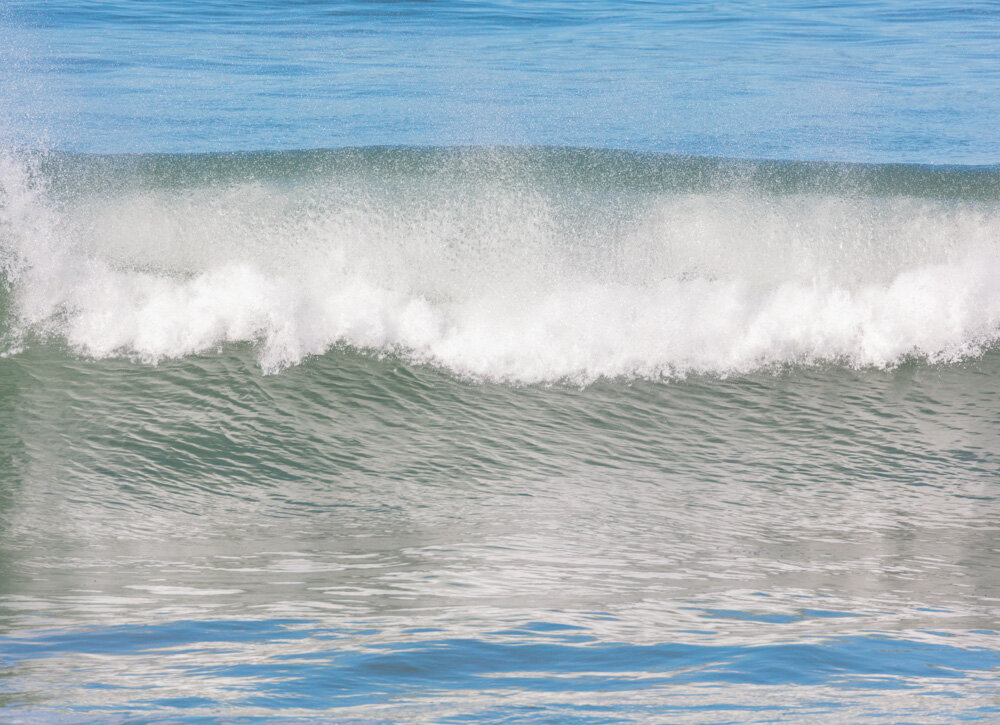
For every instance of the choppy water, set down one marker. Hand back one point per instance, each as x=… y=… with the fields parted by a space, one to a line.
x=457 y=414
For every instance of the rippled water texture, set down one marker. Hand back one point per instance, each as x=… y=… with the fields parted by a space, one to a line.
x=469 y=362
x=362 y=537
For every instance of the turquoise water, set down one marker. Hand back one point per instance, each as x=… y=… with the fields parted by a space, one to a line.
x=494 y=362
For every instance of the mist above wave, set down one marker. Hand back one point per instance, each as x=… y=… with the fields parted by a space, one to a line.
x=515 y=266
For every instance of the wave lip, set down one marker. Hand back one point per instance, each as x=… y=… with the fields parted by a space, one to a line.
x=528 y=266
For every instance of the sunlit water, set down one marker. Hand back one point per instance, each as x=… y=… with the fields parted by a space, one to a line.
x=471 y=419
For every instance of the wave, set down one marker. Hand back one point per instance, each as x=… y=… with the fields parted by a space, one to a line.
x=524 y=265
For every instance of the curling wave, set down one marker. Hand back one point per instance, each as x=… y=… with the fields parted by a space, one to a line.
x=524 y=265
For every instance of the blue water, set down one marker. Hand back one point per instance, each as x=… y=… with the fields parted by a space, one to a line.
x=860 y=81
x=499 y=362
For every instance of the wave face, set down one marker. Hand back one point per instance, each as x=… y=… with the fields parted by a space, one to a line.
x=511 y=264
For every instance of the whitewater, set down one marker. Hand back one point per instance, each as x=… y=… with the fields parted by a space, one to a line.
x=524 y=265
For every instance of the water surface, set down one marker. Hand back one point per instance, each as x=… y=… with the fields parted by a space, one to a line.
x=491 y=362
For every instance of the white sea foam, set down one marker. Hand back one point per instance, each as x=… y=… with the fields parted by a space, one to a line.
x=502 y=283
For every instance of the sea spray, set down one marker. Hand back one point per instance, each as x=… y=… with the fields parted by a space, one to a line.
x=524 y=265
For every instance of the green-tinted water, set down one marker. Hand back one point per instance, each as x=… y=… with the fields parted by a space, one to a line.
x=785 y=527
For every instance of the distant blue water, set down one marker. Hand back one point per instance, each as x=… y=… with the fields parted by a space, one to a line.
x=499 y=362
x=852 y=81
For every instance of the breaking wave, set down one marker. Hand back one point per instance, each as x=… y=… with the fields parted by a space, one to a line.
x=524 y=265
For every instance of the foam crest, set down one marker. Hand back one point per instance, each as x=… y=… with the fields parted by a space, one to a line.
x=522 y=281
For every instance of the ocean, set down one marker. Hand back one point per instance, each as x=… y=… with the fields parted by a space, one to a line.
x=499 y=362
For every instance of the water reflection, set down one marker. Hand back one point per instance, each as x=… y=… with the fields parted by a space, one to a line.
x=410 y=548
